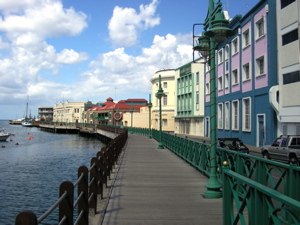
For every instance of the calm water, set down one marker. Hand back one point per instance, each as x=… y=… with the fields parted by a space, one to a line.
x=33 y=163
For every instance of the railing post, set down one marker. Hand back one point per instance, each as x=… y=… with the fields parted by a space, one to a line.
x=83 y=204
x=26 y=218
x=66 y=205
x=258 y=213
x=93 y=186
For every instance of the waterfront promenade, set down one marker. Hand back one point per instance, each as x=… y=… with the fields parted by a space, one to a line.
x=154 y=186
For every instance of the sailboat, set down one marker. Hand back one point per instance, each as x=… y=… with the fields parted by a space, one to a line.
x=27 y=122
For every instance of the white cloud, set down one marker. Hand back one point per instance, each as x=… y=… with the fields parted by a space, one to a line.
x=25 y=26
x=69 y=56
x=47 y=19
x=126 y=23
x=130 y=74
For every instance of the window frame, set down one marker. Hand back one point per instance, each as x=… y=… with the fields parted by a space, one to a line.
x=246 y=39
x=220 y=115
x=258 y=25
x=235 y=125
x=246 y=72
x=237 y=77
x=258 y=66
x=235 y=46
x=246 y=115
x=227 y=115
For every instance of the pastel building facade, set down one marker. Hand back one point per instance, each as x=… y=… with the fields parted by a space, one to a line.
x=285 y=97
x=167 y=101
x=69 y=112
x=189 y=106
x=245 y=65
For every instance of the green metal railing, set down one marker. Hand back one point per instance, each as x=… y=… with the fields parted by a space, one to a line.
x=253 y=187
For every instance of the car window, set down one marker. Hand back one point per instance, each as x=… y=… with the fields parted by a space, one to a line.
x=284 y=142
x=277 y=142
x=295 y=141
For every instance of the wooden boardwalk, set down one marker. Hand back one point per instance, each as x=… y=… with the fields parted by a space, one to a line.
x=154 y=186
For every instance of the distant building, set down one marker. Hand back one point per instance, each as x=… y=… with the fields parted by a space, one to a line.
x=69 y=112
x=45 y=113
x=189 y=110
x=125 y=112
x=168 y=100
x=285 y=97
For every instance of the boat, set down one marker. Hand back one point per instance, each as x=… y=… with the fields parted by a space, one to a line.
x=27 y=122
x=4 y=135
x=16 y=121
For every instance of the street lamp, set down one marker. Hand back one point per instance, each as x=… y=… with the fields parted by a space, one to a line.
x=149 y=107
x=159 y=94
x=215 y=31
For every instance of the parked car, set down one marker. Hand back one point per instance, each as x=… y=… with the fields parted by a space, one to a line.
x=284 y=148
x=233 y=144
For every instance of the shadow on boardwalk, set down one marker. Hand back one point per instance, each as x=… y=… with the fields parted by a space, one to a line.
x=156 y=187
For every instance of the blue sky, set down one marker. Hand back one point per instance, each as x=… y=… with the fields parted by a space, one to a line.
x=79 y=50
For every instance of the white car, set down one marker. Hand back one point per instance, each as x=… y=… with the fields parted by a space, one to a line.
x=284 y=148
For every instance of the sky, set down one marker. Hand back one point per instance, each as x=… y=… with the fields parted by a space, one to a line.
x=53 y=51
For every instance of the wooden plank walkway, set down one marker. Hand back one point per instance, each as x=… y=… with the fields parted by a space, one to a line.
x=154 y=186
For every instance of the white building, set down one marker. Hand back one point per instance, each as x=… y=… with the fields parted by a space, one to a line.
x=167 y=101
x=68 y=112
x=285 y=97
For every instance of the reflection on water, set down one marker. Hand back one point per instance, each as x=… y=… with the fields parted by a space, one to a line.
x=33 y=163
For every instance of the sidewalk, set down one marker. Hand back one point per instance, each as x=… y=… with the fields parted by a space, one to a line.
x=155 y=186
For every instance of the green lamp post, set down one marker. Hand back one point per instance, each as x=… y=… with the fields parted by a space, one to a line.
x=215 y=31
x=149 y=107
x=159 y=94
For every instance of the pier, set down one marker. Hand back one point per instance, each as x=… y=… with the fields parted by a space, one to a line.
x=156 y=187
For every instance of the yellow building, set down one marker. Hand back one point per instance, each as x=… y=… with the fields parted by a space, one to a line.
x=167 y=101
x=137 y=118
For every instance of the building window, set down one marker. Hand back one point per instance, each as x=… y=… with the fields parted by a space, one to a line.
x=247 y=114
x=165 y=122
x=290 y=37
x=285 y=3
x=260 y=28
x=226 y=52
x=260 y=66
x=235 y=77
x=165 y=100
x=197 y=100
x=165 y=85
x=220 y=116
x=197 y=78
x=235 y=115
x=227 y=115
x=220 y=56
x=235 y=46
x=220 y=83
x=246 y=72
x=207 y=89
x=246 y=38
x=291 y=77
x=226 y=82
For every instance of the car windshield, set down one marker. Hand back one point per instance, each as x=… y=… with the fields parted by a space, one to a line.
x=282 y=141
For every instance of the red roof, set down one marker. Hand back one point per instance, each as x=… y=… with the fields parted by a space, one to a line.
x=122 y=105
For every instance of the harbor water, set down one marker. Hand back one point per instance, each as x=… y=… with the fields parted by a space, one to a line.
x=33 y=163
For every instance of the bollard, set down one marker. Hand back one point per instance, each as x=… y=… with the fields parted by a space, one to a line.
x=83 y=204
x=66 y=205
x=26 y=218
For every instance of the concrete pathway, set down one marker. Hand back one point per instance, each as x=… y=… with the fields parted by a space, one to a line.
x=156 y=187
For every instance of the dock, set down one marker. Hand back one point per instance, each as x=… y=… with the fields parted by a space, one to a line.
x=154 y=186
